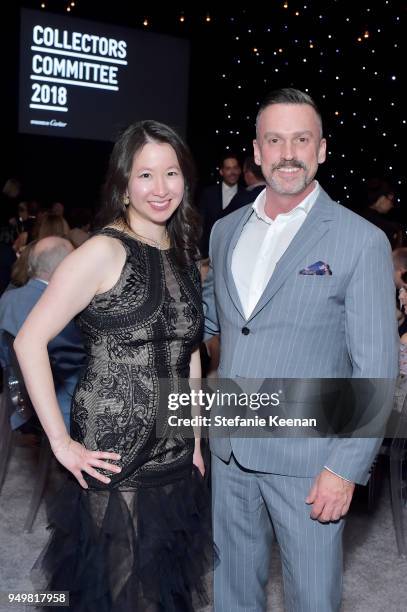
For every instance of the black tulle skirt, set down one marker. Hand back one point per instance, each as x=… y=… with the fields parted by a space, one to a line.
x=144 y=550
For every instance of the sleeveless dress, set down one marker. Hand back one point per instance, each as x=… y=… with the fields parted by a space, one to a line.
x=143 y=542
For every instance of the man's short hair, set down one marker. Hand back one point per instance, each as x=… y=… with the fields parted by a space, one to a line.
x=377 y=187
x=228 y=156
x=43 y=262
x=249 y=165
x=288 y=95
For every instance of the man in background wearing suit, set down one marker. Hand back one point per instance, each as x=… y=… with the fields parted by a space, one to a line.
x=216 y=198
x=292 y=291
x=255 y=183
x=66 y=350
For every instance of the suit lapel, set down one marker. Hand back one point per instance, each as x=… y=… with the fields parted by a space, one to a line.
x=234 y=237
x=314 y=227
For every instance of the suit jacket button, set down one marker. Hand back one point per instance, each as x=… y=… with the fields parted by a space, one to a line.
x=245 y=331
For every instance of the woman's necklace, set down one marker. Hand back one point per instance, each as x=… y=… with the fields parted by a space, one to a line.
x=162 y=244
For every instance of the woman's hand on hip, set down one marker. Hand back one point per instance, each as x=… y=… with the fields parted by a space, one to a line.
x=77 y=459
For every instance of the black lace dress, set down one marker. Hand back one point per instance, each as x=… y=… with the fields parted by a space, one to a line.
x=143 y=542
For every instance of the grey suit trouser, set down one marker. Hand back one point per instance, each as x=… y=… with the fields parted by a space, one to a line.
x=247 y=506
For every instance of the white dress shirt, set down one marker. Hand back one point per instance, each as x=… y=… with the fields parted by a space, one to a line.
x=262 y=243
x=227 y=194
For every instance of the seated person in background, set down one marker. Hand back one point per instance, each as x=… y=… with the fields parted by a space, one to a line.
x=380 y=197
x=66 y=350
x=255 y=183
x=400 y=269
x=24 y=223
x=50 y=224
x=19 y=271
x=401 y=387
x=10 y=196
x=58 y=209
x=79 y=220
x=400 y=279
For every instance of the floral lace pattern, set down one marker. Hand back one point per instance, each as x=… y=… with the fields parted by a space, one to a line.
x=139 y=337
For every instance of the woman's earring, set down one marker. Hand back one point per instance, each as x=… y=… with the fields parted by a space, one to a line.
x=126 y=201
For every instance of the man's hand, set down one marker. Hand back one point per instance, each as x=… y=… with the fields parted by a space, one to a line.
x=330 y=496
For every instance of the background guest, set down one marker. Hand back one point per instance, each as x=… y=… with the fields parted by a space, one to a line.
x=66 y=350
x=9 y=198
x=80 y=221
x=255 y=183
x=50 y=224
x=216 y=198
x=381 y=199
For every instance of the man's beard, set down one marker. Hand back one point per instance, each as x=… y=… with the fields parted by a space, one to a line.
x=296 y=186
x=232 y=180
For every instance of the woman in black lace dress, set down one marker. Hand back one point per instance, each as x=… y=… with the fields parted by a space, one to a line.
x=131 y=533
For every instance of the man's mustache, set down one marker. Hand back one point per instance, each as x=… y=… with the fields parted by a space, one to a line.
x=292 y=163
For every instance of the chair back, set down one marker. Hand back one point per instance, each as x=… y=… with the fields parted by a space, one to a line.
x=18 y=399
x=14 y=401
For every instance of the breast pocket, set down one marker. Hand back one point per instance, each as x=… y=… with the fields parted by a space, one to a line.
x=315 y=288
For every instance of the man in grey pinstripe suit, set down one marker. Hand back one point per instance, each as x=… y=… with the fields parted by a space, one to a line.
x=299 y=287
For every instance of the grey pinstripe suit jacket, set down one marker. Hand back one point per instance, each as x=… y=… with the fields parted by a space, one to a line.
x=307 y=326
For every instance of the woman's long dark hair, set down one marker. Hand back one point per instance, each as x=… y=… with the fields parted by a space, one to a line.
x=184 y=227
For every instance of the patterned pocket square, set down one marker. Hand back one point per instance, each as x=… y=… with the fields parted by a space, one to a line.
x=318 y=268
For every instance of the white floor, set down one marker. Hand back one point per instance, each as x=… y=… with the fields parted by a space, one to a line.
x=375 y=578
